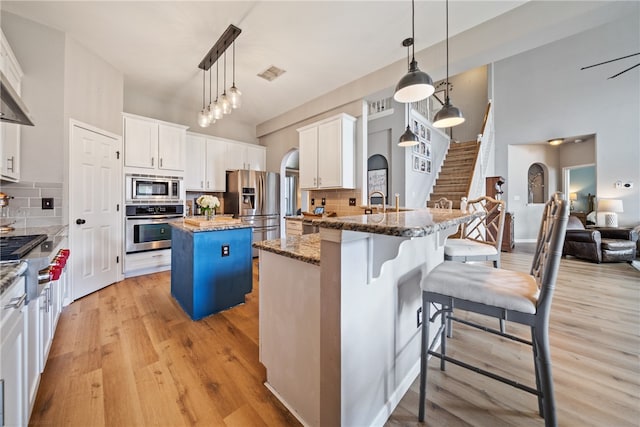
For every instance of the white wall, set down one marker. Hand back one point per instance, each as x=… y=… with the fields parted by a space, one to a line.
x=40 y=52
x=542 y=94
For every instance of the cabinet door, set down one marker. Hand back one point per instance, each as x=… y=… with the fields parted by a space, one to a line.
x=46 y=325
x=308 y=158
x=171 y=143
x=215 y=177
x=12 y=355
x=10 y=151
x=140 y=143
x=195 y=163
x=330 y=154
x=256 y=158
x=236 y=155
x=32 y=358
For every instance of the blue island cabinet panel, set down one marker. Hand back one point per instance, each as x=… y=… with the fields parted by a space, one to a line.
x=211 y=271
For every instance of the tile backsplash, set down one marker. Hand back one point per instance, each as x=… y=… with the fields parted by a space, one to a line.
x=337 y=201
x=25 y=208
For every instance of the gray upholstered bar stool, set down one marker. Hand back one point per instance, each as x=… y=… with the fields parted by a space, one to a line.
x=519 y=297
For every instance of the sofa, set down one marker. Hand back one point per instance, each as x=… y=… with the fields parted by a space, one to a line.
x=600 y=244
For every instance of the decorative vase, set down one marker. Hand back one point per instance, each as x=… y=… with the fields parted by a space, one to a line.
x=209 y=214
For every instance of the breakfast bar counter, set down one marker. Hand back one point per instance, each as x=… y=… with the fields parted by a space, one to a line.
x=339 y=338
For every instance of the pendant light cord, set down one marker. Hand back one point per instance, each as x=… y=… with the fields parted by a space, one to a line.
x=225 y=73
x=446 y=101
x=210 y=86
x=204 y=75
x=413 y=30
x=217 y=77
x=234 y=63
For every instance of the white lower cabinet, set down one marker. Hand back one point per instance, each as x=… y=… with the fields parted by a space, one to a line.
x=32 y=327
x=147 y=262
x=46 y=325
x=13 y=402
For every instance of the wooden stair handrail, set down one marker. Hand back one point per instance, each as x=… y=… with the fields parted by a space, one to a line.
x=486 y=118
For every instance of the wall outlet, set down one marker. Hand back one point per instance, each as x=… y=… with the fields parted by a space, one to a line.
x=47 y=203
x=225 y=250
x=313 y=201
x=352 y=201
x=324 y=201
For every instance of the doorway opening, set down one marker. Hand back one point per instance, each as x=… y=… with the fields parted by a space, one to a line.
x=290 y=194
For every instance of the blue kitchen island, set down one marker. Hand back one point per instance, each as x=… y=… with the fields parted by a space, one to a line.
x=211 y=266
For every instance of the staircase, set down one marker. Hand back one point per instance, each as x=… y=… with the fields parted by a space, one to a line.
x=456 y=174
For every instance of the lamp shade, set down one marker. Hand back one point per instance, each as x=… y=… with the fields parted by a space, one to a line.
x=573 y=196
x=408 y=138
x=448 y=116
x=414 y=86
x=610 y=205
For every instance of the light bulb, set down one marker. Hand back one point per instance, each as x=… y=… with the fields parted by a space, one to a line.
x=224 y=102
x=203 y=118
x=217 y=110
x=235 y=97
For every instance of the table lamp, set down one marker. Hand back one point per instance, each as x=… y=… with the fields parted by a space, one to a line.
x=572 y=197
x=610 y=207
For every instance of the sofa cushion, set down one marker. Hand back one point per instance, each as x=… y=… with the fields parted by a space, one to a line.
x=617 y=245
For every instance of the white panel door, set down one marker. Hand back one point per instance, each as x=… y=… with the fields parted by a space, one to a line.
x=308 y=158
x=94 y=226
x=195 y=165
x=330 y=154
x=171 y=142
x=215 y=178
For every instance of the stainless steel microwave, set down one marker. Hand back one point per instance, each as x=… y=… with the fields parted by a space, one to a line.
x=145 y=188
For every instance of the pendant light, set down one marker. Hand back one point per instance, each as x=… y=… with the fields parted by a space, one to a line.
x=210 y=115
x=408 y=138
x=449 y=115
x=234 y=93
x=217 y=108
x=224 y=100
x=203 y=118
x=416 y=85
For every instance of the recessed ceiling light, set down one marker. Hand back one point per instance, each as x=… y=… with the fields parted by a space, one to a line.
x=271 y=73
x=556 y=141
x=577 y=141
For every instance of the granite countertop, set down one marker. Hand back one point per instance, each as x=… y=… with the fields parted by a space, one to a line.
x=217 y=227
x=9 y=271
x=415 y=223
x=305 y=248
x=294 y=218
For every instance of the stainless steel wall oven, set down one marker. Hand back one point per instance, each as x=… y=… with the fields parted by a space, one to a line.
x=147 y=226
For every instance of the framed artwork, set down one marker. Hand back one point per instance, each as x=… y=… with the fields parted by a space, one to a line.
x=428 y=166
x=428 y=150
x=423 y=148
x=416 y=163
x=377 y=180
x=423 y=165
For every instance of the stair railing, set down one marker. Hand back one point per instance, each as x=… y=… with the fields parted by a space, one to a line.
x=486 y=139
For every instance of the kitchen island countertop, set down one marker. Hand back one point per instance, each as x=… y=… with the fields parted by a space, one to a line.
x=305 y=248
x=217 y=227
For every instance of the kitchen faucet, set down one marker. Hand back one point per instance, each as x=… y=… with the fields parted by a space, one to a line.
x=384 y=201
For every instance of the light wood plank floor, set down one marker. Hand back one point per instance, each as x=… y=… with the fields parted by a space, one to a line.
x=128 y=356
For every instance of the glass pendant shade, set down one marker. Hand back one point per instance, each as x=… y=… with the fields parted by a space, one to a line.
x=210 y=114
x=448 y=116
x=414 y=86
x=225 y=104
x=235 y=97
x=217 y=110
x=408 y=138
x=203 y=118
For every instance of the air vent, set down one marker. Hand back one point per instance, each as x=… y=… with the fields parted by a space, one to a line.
x=271 y=73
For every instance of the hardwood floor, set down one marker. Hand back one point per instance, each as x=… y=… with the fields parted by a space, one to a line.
x=128 y=356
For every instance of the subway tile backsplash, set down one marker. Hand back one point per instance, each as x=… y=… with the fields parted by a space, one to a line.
x=25 y=208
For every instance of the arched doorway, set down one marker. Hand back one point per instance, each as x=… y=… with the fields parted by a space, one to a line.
x=290 y=196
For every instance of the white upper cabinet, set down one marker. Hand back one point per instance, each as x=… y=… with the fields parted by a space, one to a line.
x=205 y=166
x=10 y=132
x=153 y=145
x=327 y=153
x=245 y=156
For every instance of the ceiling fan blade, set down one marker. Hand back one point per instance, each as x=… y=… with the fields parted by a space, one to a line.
x=611 y=60
x=624 y=71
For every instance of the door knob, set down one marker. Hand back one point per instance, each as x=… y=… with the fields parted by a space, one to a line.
x=80 y=221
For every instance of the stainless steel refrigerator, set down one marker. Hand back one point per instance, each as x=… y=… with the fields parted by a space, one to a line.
x=254 y=197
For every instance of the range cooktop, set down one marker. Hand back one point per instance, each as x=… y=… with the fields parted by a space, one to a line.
x=15 y=247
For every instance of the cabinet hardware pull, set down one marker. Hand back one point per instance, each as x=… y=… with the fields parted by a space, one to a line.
x=201 y=184
x=160 y=161
x=16 y=302
x=152 y=161
x=12 y=160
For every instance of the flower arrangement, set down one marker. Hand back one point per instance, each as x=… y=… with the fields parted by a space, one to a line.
x=208 y=204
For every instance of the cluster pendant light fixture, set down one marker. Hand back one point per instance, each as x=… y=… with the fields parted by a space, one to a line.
x=449 y=115
x=219 y=107
x=416 y=85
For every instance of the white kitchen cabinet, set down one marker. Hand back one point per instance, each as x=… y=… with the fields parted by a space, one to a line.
x=46 y=324
x=140 y=263
x=13 y=395
x=10 y=132
x=327 y=153
x=153 y=146
x=245 y=156
x=33 y=351
x=205 y=169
